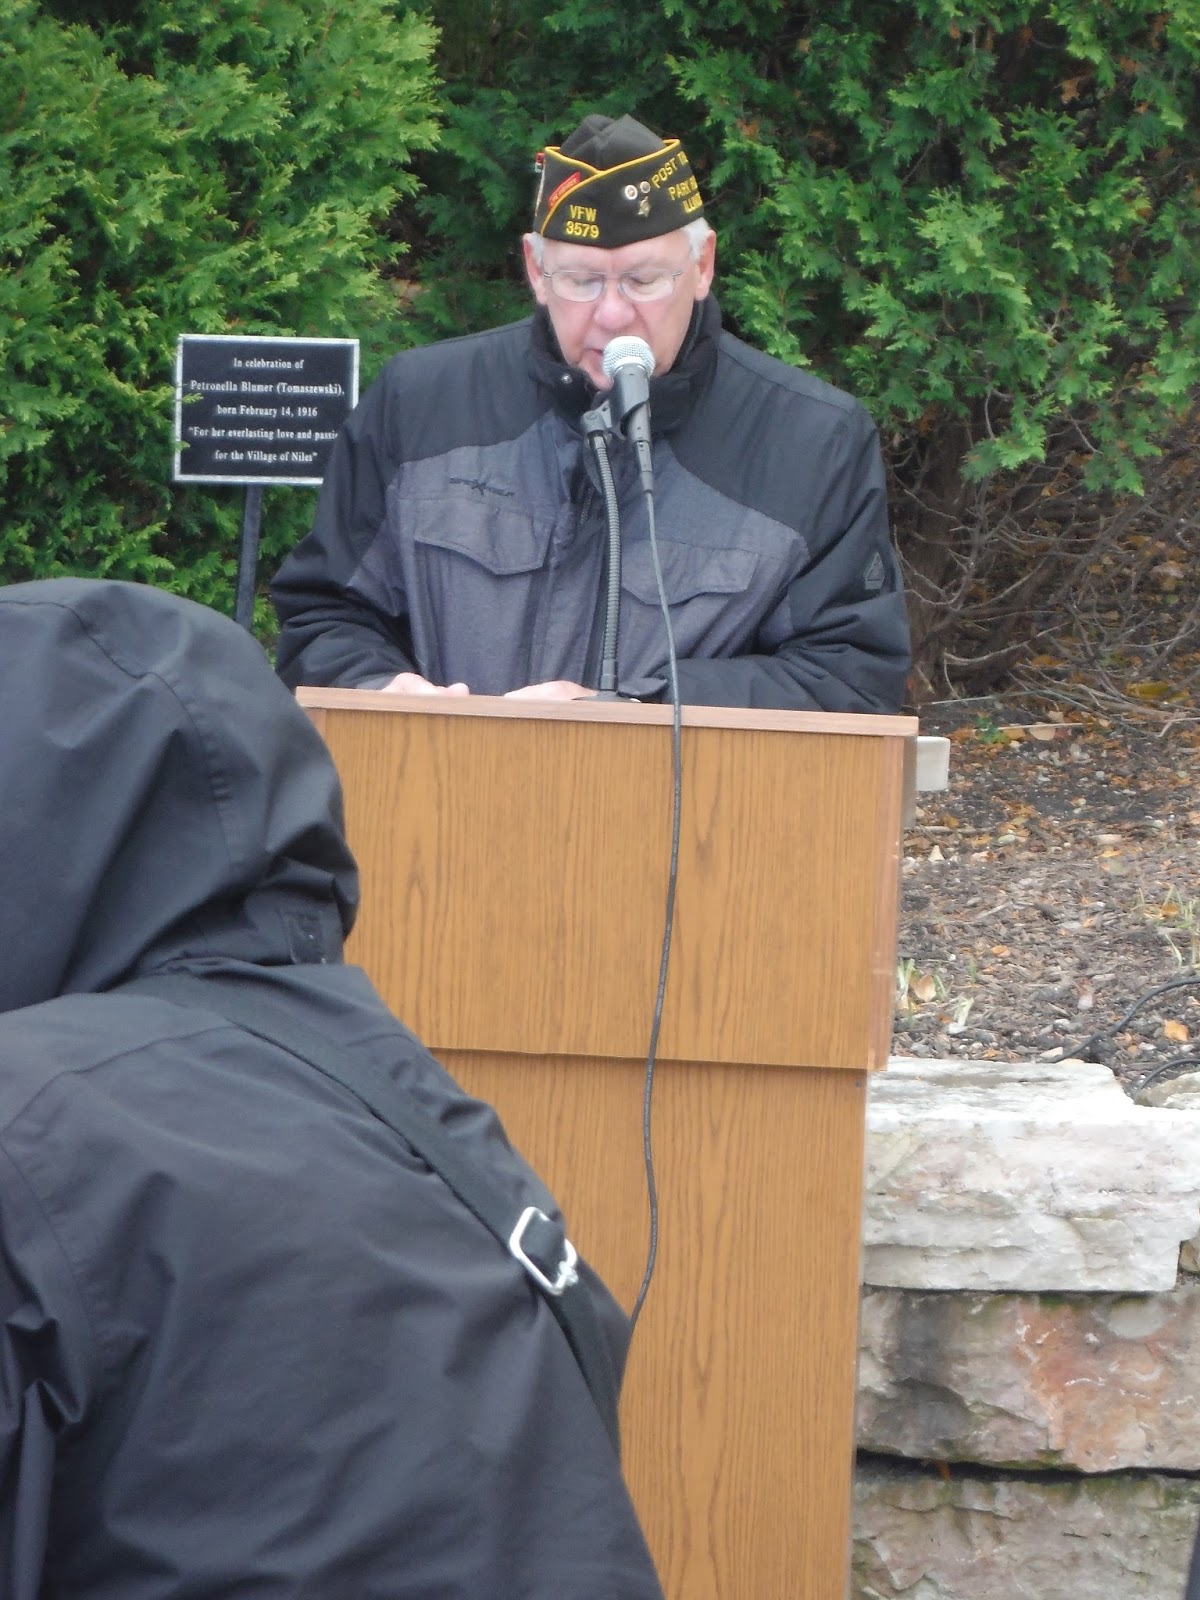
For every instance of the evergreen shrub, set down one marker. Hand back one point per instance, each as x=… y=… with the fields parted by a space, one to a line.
x=182 y=167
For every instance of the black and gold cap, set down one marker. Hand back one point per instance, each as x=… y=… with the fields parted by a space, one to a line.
x=613 y=182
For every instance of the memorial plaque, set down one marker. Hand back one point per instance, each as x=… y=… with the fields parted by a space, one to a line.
x=258 y=410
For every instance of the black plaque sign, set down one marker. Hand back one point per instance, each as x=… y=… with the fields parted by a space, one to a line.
x=260 y=410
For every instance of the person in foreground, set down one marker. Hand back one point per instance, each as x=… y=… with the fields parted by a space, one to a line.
x=250 y=1344
x=460 y=540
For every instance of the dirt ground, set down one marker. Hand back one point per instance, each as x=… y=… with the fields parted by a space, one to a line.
x=1051 y=890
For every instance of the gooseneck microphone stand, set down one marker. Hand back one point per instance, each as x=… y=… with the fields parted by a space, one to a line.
x=597 y=426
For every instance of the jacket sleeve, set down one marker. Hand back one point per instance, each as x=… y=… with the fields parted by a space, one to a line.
x=838 y=640
x=44 y=1341
x=329 y=634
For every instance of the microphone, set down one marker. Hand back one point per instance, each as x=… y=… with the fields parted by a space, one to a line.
x=628 y=362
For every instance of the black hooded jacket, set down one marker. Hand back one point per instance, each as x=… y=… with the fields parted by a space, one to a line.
x=251 y=1348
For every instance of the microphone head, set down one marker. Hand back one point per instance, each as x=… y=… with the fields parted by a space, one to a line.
x=625 y=351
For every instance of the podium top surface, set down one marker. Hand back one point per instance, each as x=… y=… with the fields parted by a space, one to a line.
x=859 y=724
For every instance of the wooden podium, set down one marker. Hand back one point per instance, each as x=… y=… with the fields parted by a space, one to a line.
x=514 y=865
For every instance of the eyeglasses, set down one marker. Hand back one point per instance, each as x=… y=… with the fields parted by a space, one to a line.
x=651 y=283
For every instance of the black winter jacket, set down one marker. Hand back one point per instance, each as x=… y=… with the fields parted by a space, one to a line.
x=460 y=532
x=251 y=1348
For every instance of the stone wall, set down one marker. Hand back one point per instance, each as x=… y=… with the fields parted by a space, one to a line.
x=1029 y=1361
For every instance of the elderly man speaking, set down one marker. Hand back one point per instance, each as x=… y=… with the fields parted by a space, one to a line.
x=461 y=538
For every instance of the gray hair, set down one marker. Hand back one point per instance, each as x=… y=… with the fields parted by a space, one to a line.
x=695 y=232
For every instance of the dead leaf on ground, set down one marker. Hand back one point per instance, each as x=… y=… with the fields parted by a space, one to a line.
x=1177 y=1032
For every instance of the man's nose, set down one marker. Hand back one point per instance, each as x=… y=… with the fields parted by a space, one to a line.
x=612 y=310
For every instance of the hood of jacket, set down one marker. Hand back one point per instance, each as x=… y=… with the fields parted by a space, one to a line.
x=163 y=799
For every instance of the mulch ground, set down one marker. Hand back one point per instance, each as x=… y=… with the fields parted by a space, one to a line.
x=1050 y=898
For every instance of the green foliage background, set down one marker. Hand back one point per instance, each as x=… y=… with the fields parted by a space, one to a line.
x=983 y=220
x=190 y=166
x=941 y=207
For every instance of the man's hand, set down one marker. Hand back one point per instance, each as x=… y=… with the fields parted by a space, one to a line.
x=414 y=683
x=557 y=689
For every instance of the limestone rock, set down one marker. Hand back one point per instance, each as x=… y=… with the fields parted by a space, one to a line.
x=1179 y=1094
x=1121 y=1537
x=1175 y=1094
x=1094 y=1383
x=1011 y=1176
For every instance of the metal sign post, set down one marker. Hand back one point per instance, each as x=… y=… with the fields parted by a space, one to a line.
x=257 y=410
x=247 y=570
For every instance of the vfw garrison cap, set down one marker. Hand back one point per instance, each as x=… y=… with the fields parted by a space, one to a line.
x=612 y=183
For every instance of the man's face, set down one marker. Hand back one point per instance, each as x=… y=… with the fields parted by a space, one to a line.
x=583 y=330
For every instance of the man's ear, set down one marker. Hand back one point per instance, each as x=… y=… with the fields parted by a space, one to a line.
x=706 y=265
x=533 y=271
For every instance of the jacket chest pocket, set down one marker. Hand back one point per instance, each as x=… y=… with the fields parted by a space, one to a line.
x=485 y=531
x=714 y=596
x=478 y=566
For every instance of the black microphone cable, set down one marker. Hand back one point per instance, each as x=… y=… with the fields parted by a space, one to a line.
x=672 y=878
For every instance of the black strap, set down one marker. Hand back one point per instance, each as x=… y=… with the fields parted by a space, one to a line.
x=534 y=1239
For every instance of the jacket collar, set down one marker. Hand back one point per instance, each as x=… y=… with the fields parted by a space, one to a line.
x=671 y=396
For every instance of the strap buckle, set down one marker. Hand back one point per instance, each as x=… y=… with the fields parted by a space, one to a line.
x=565 y=1271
